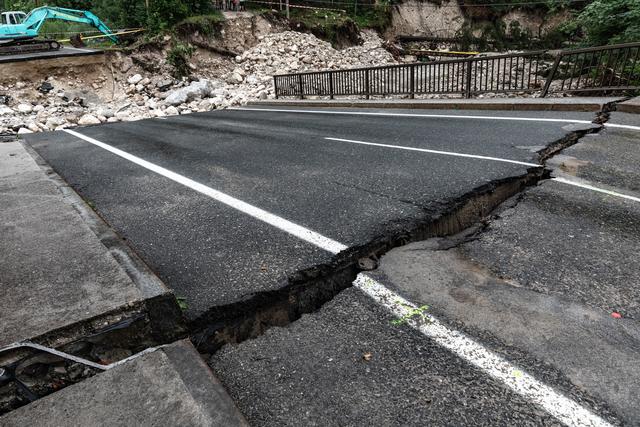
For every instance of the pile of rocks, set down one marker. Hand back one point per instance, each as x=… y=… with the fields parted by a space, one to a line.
x=290 y=52
x=54 y=105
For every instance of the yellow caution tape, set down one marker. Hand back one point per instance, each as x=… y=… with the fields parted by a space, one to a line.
x=138 y=30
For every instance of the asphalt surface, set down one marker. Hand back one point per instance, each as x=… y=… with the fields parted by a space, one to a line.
x=348 y=365
x=212 y=255
x=537 y=286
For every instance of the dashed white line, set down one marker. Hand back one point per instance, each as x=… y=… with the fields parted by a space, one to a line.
x=562 y=408
x=260 y=214
x=424 y=150
x=559 y=406
x=593 y=188
x=444 y=116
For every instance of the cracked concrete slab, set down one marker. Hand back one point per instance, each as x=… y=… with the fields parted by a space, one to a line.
x=170 y=386
x=54 y=271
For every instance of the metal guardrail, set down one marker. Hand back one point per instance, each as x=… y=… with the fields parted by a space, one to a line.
x=600 y=69
x=596 y=69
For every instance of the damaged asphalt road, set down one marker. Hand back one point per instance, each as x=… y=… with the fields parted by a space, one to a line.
x=348 y=180
x=214 y=256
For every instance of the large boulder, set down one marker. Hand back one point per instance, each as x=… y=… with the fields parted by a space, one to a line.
x=25 y=108
x=88 y=119
x=200 y=89
x=135 y=79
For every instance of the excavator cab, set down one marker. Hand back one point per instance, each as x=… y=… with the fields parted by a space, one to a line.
x=12 y=18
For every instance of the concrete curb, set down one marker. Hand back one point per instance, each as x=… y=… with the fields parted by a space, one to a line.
x=511 y=104
x=631 y=106
x=87 y=260
x=169 y=386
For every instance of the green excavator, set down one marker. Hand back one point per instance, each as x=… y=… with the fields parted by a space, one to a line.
x=19 y=31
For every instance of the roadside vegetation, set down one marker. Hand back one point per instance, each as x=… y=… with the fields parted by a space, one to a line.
x=589 y=22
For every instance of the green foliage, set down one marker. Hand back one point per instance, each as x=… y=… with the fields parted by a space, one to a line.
x=412 y=313
x=182 y=303
x=378 y=17
x=611 y=21
x=161 y=15
x=502 y=6
x=178 y=57
x=204 y=24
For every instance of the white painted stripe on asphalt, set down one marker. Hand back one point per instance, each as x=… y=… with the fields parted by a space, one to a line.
x=262 y=215
x=444 y=116
x=615 y=125
x=424 y=150
x=564 y=409
x=599 y=190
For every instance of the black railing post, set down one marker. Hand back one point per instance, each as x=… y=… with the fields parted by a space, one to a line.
x=300 y=86
x=412 y=80
x=468 y=78
x=275 y=86
x=551 y=75
x=331 y=84
x=367 y=82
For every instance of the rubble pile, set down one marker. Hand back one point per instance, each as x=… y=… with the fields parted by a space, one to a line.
x=53 y=104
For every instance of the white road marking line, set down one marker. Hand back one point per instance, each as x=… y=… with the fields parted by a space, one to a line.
x=599 y=190
x=424 y=150
x=614 y=125
x=445 y=116
x=262 y=215
x=564 y=409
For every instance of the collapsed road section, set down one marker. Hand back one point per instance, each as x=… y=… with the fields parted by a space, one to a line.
x=252 y=224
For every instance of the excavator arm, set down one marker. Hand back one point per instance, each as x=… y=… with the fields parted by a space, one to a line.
x=37 y=17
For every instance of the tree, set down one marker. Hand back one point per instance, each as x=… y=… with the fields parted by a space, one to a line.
x=611 y=21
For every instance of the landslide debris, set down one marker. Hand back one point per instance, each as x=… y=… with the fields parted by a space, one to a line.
x=140 y=85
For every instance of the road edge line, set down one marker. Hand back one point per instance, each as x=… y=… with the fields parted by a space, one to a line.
x=276 y=221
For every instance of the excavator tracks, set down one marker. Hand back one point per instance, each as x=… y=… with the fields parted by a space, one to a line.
x=29 y=46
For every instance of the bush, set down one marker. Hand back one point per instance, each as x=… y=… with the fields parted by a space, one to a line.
x=204 y=24
x=178 y=57
x=611 y=21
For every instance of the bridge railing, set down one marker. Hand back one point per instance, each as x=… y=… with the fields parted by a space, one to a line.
x=596 y=69
x=601 y=69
